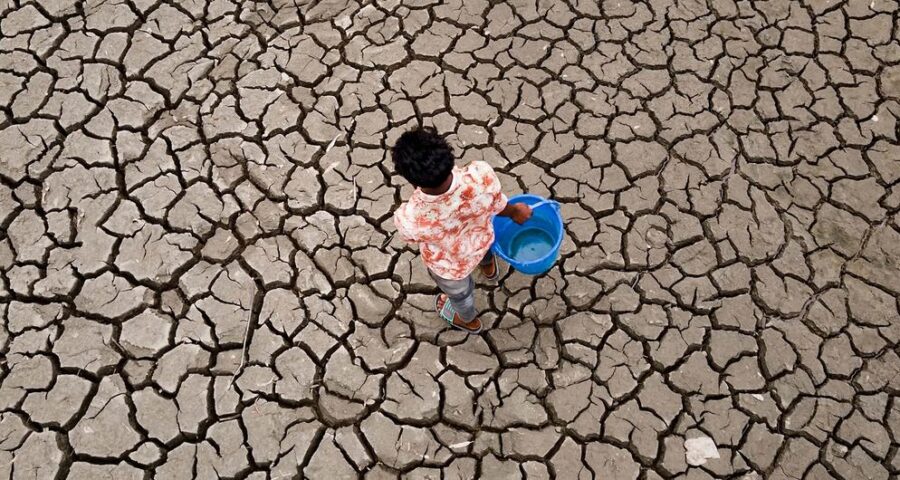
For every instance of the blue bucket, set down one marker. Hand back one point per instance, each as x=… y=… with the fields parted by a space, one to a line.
x=531 y=248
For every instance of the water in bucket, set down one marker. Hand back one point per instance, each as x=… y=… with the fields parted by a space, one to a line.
x=530 y=244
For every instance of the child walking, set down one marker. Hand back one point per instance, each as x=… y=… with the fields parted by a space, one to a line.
x=449 y=216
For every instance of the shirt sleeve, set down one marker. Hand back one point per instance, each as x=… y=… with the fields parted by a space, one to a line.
x=405 y=228
x=492 y=187
x=500 y=202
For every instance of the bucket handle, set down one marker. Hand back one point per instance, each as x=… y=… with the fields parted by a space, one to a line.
x=546 y=202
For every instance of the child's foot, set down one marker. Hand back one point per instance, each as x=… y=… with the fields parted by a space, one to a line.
x=490 y=271
x=446 y=311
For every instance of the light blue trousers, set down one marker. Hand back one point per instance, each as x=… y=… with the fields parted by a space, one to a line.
x=461 y=292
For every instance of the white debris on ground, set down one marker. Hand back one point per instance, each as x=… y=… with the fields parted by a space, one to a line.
x=698 y=450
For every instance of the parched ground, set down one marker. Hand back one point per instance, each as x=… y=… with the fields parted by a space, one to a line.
x=198 y=277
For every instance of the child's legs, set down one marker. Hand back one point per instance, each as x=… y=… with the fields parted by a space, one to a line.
x=488 y=258
x=461 y=294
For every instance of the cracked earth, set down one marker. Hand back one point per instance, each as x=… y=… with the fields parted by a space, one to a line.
x=198 y=277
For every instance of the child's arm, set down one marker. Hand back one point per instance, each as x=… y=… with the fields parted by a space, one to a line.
x=518 y=212
x=405 y=226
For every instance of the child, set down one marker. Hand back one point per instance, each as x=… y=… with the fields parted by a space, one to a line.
x=449 y=216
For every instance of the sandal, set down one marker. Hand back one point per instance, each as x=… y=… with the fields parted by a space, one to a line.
x=448 y=313
x=496 y=266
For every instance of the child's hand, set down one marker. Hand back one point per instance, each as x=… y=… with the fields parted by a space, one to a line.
x=519 y=212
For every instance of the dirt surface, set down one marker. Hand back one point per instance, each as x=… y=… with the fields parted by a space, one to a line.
x=198 y=277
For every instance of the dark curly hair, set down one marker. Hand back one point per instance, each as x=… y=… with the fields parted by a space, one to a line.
x=422 y=157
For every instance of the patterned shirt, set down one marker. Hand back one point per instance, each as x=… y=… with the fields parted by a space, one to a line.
x=454 y=229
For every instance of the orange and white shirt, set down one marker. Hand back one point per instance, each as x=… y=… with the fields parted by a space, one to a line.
x=454 y=229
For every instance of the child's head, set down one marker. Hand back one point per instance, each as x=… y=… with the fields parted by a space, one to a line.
x=423 y=158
